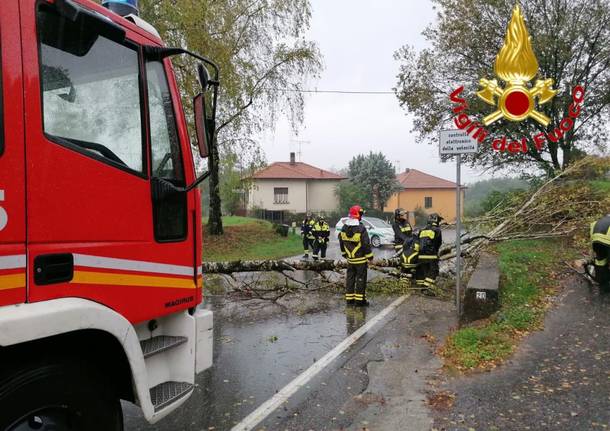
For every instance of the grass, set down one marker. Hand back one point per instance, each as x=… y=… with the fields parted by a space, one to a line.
x=601 y=186
x=249 y=239
x=527 y=279
x=229 y=221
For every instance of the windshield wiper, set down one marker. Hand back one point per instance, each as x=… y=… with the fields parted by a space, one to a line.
x=99 y=148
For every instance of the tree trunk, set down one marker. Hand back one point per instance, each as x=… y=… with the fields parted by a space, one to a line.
x=281 y=265
x=215 y=219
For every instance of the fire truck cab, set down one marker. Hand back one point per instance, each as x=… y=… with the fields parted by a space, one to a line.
x=100 y=219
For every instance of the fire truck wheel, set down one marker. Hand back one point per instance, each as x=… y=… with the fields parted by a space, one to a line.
x=58 y=396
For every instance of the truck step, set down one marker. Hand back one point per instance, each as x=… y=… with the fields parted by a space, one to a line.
x=166 y=393
x=155 y=345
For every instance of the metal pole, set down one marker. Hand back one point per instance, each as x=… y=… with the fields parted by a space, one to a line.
x=458 y=235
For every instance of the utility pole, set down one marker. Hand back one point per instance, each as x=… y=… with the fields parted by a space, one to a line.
x=456 y=143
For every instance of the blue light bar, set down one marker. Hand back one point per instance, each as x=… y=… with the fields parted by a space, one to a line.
x=122 y=7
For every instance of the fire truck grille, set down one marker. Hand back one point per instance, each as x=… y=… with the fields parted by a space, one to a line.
x=166 y=393
x=159 y=344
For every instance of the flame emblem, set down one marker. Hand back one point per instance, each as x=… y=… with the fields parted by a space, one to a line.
x=516 y=65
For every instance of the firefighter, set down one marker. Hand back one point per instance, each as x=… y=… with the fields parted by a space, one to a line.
x=402 y=229
x=355 y=246
x=600 y=241
x=430 y=241
x=410 y=256
x=306 y=233
x=321 y=233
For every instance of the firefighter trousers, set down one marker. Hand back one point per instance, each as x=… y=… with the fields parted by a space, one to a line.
x=307 y=244
x=602 y=270
x=355 y=282
x=426 y=273
x=319 y=249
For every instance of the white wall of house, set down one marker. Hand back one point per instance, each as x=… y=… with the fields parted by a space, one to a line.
x=262 y=195
x=321 y=195
x=303 y=195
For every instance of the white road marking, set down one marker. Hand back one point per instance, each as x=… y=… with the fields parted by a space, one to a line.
x=265 y=409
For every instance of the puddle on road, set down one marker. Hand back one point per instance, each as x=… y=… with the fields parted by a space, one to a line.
x=257 y=351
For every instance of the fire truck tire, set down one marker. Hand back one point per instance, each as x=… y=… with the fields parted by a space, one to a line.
x=58 y=396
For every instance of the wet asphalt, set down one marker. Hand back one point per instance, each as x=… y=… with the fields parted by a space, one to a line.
x=259 y=347
x=558 y=380
x=255 y=357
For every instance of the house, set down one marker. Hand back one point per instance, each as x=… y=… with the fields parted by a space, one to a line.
x=425 y=191
x=294 y=186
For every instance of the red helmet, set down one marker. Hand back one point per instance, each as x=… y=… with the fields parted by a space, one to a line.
x=356 y=212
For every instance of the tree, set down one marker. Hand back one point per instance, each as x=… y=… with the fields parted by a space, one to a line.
x=374 y=175
x=351 y=193
x=235 y=180
x=264 y=60
x=569 y=38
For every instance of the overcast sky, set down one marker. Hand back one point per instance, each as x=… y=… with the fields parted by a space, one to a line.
x=358 y=39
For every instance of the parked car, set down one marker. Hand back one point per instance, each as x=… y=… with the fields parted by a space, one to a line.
x=380 y=231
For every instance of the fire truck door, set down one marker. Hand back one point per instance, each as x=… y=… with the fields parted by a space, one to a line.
x=12 y=165
x=93 y=230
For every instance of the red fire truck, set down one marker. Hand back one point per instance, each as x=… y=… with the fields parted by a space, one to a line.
x=100 y=221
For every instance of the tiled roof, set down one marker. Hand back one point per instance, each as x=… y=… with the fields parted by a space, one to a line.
x=296 y=171
x=414 y=179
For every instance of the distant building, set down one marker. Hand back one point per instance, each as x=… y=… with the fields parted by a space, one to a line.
x=425 y=191
x=294 y=186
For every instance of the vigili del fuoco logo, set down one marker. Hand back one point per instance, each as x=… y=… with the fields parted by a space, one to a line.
x=517 y=98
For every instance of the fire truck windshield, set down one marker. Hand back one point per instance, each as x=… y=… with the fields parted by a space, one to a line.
x=90 y=92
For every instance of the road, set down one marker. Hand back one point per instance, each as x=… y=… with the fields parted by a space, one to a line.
x=260 y=348
x=257 y=352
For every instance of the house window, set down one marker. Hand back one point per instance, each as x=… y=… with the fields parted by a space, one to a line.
x=280 y=195
x=428 y=202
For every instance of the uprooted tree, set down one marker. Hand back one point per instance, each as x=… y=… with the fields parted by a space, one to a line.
x=560 y=207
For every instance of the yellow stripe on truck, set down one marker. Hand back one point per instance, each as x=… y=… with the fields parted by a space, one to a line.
x=13 y=281
x=87 y=277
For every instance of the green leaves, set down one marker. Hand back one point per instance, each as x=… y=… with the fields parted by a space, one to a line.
x=372 y=180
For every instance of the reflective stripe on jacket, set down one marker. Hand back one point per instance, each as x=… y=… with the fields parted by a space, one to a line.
x=306 y=228
x=321 y=231
x=355 y=244
x=600 y=231
x=430 y=241
x=410 y=254
x=402 y=230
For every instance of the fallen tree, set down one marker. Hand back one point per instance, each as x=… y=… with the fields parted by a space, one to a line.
x=558 y=208
x=283 y=265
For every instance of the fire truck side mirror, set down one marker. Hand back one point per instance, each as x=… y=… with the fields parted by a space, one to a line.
x=201 y=120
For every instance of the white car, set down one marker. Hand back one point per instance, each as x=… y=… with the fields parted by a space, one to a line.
x=380 y=232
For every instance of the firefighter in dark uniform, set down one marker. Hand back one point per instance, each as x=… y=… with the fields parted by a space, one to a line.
x=356 y=248
x=402 y=229
x=321 y=233
x=430 y=241
x=307 y=235
x=410 y=256
x=600 y=241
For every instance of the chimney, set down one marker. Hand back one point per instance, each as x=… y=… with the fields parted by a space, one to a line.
x=407 y=170
x=292 y=159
